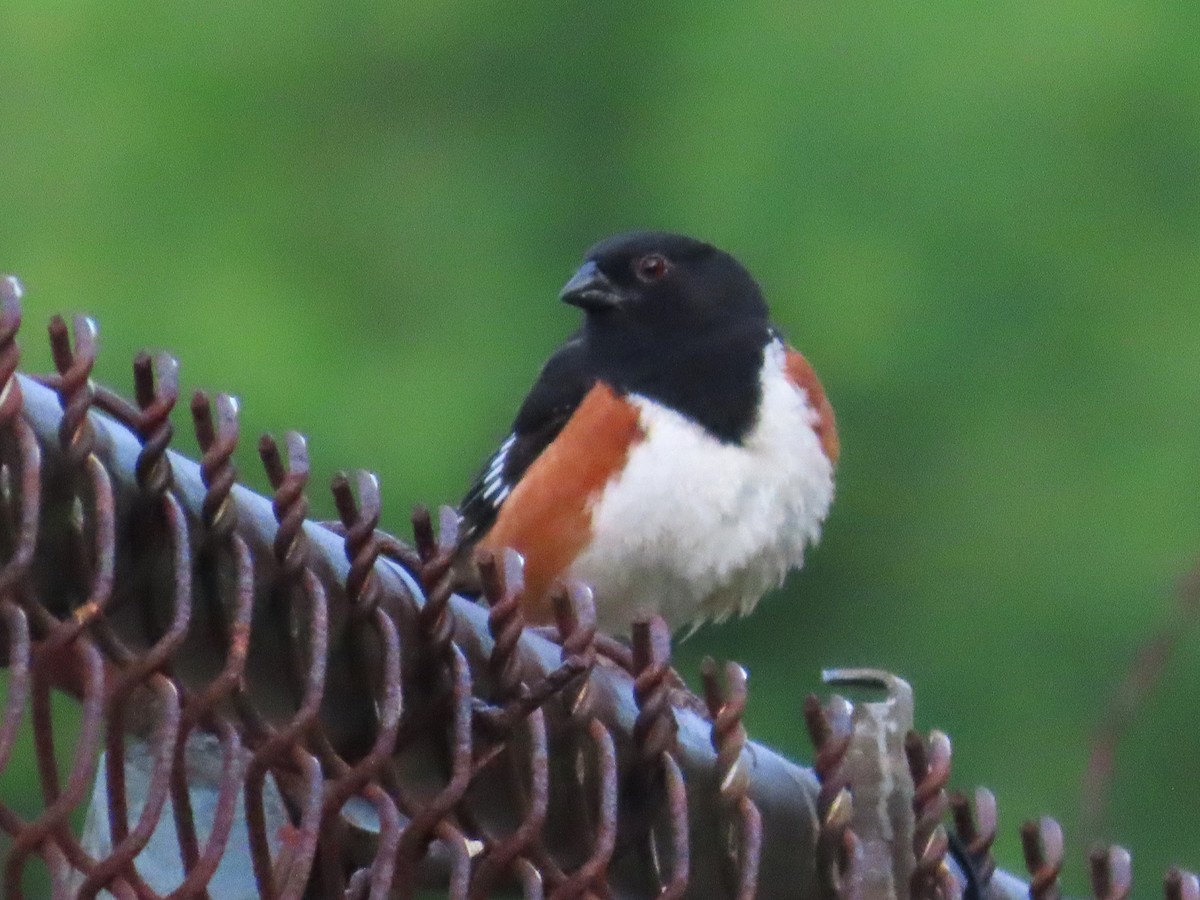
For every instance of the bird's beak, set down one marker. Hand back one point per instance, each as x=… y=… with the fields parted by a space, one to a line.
x=590 y=289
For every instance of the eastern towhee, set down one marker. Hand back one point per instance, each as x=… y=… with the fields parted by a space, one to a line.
x=675 y=454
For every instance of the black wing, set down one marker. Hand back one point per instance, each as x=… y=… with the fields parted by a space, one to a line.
x=564 y=381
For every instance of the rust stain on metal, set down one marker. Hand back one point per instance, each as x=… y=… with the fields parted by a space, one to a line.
x=976 y=829
x=1042 y=845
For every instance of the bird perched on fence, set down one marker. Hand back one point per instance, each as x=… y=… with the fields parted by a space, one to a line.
x=675 y=454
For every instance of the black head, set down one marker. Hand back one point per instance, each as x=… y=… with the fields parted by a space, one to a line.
x=656 y=279
x=676 y=320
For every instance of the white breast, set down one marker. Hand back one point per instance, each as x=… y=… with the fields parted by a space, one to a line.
x=694 y=529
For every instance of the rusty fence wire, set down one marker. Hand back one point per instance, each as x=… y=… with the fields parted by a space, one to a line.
x=270 y=706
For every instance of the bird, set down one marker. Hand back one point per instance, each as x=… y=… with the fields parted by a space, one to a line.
x=676 y=454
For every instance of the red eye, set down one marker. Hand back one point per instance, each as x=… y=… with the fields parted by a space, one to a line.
x=651 y=267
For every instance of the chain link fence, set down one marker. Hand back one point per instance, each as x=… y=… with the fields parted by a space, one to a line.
x=270 y=706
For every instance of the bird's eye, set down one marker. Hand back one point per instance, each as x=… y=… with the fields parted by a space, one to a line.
x=651 y=267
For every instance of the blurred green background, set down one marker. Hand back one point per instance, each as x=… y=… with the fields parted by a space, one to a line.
x=981 y=222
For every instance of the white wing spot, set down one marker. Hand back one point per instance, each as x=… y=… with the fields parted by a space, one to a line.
x=495 y=489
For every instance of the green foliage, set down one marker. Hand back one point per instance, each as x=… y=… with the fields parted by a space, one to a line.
x=980 y=222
